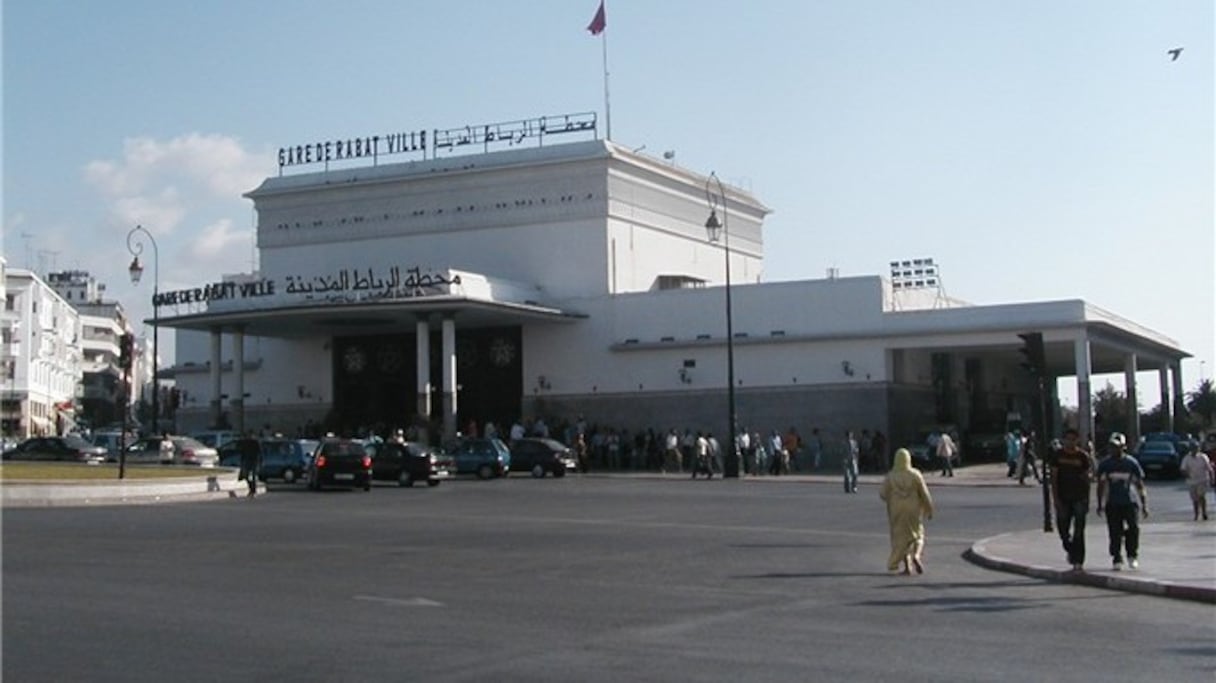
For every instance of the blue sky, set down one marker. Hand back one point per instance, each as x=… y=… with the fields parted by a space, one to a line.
x=1037 y=150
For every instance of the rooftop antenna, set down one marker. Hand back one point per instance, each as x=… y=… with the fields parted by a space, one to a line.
x=27 y=238
x=45 y=255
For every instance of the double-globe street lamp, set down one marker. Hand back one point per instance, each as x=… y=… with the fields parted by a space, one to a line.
x=718 y=230
x=136 y=247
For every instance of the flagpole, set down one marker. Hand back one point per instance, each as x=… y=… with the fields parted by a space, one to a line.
x=607 y=107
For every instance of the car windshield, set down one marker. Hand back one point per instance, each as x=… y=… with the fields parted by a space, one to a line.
x=342 y=448
x=187 y=442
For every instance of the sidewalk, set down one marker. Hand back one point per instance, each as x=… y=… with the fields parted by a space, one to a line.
x=1177 y=559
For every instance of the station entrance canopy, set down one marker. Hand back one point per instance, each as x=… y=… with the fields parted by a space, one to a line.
x=354 y=301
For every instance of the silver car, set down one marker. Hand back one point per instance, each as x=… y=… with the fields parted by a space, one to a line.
x=186 y=451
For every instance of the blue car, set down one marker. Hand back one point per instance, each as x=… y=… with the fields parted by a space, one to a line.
x=487 y=458
x=1159 y=458
x=286 y=459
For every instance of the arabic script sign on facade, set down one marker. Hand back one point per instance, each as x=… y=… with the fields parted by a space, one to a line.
x=439 y=141
x=349 y=285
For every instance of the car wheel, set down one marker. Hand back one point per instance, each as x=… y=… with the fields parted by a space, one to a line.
x=485 y=472
x=432 y=482
x=405 y=479
x=538 y=471
x=289 y=475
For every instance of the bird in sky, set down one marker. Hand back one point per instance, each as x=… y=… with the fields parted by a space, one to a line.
x=1174 y=54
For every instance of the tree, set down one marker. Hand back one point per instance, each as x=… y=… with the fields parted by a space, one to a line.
x=1111 y=405
x=1202 y=402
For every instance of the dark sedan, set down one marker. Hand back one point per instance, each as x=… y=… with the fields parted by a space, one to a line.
x=409 y=462
x=340 y=462
x=541 y=457
x=1159 y=458
x=65 y=448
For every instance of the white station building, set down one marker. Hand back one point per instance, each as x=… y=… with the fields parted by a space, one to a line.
x=523 y=276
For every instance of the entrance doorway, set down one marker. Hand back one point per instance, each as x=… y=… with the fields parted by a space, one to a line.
x=375 y=380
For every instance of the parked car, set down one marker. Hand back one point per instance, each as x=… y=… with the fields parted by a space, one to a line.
x=215 y=438
x=112 y=442
x=542 y=456
x=486 y=458
x=285 y=459
x=69 y=448
x=1160 y=458
x=340 y=462
x=186 y=451
x=409 y=462
x=984 y=447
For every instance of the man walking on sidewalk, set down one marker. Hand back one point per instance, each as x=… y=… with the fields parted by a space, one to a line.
x=1198 y=471
x=1117 y=476
x=1070 y=470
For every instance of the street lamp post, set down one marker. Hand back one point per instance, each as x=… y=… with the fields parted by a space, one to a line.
x=136 y=247
x=718 y=230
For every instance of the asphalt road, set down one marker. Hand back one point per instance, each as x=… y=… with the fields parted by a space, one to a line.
x=580 y=579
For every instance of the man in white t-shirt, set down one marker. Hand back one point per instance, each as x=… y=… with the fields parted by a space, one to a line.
x=1198 y=470
x=946 y=450
x=167 y=450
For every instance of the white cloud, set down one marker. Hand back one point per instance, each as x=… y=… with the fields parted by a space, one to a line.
x=160 y=213
x=218 y=239
x=157 y=183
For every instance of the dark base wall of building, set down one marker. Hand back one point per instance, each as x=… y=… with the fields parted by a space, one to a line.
x=831 y=408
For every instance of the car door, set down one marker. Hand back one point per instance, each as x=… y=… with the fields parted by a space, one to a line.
x=37 y=449
x=524 y=455
x=144 y=451
x=384 y=460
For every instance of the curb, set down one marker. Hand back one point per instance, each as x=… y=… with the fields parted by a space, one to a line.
x=977 y=554
x=222 y=485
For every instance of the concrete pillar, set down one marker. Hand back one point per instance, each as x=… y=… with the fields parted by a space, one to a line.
x=1163 y=378
x=1085 y=402
x=1133 y=411
x=217 y=388
x=423 y=334
x=1179 y=406
x=238 y=370
x=449 y=377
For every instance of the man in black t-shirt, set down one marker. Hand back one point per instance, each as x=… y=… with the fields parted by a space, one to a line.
x=1071 y=470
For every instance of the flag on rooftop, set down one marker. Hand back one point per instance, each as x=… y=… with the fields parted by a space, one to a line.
x=598 y=23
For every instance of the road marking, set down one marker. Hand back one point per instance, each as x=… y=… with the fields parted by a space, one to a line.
x=399 y=602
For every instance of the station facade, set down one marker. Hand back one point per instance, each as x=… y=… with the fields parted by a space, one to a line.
x=577 y=279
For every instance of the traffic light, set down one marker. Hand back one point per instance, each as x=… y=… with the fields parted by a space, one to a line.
x=126 y=347
x=1034 y=359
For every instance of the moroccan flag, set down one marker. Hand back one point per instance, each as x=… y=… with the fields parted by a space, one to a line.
x=597 y=24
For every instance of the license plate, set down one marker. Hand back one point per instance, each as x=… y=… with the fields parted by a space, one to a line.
x=344 y=477
x=1152 y=466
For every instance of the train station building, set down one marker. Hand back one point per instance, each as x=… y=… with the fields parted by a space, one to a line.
x=533 y=269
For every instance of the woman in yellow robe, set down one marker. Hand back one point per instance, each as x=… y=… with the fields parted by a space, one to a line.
x=908 y=503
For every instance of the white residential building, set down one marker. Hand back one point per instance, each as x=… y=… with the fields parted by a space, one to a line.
x=43 y=343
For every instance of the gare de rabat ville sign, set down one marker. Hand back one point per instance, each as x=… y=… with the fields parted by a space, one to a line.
x=430 y=144
x=348 y=285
